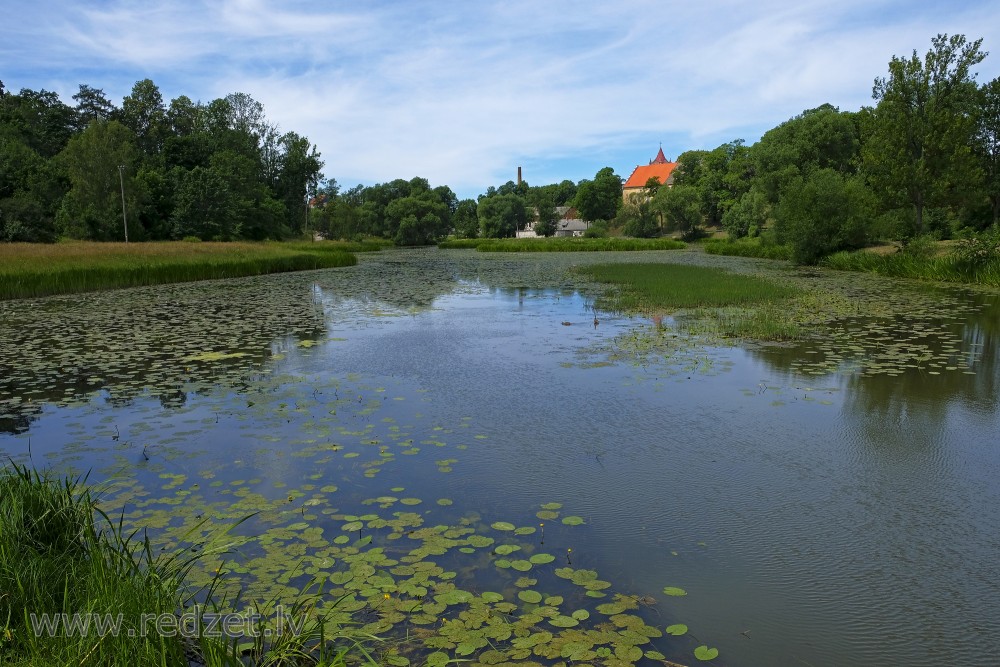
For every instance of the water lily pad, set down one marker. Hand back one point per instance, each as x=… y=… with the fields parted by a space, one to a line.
x=541 y=559
x=502 y=525
x=438 y=659
x=531 y=597
x=677 y=629
x=562 y=621
x=705 y=653
x=479 y=541
x=521 y=565
x=506 y=549
x=673 y=590
x=454 y=597
x=551 y=506
x=573 y=520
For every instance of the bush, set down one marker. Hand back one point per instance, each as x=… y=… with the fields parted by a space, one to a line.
x=747 y=217
x=822 y=214
x=977 y=250
x=922 y=247
x=638 y=220
x=597 y=230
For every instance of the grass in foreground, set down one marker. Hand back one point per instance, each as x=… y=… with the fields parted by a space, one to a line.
x=735 y=305
x=32 y=270
x=60 y=556
x=563 y=244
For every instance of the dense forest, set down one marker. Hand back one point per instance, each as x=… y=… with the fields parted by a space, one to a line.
x=923 y=160
x=212 y=171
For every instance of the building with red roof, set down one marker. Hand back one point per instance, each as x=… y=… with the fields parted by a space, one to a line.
x=659 y=168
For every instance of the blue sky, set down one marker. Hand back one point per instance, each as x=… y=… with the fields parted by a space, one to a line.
x=462 y=92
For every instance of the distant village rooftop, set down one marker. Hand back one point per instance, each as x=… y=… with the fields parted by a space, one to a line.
x=659 y=168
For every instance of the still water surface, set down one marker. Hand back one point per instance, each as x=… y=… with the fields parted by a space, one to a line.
x=842 y=516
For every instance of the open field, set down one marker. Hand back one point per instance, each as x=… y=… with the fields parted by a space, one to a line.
x=33 y=270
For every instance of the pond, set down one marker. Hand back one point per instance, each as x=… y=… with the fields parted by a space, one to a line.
x=472 y=450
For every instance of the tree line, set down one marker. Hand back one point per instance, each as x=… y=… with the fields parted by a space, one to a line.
x=219 y=170
x=923 y=160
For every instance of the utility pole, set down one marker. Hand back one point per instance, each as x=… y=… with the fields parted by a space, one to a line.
x=121 y=180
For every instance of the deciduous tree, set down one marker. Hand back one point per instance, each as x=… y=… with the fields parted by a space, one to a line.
x=600 y=198
x=501 y=216
x=917 y=149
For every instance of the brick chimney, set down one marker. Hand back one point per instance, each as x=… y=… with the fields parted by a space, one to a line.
x=518 y=175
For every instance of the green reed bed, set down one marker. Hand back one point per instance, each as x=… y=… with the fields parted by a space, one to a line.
x=577 y=244
x=944 y=268
x=32 y=270
x=462 y=244
x=74 y=590
x=714 y=300
x=336 y=246
x=747 y=248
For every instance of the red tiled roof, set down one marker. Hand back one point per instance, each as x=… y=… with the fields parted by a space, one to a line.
x=660 y=157
x=658 y=170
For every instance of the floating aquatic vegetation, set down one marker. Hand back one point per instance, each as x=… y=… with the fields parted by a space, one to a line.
x=313 y=445
x=705 y=653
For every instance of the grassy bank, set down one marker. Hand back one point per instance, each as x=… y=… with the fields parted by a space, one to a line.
x=461 y=244
x=737 y=305
x=32 y=270
x=943 y=268
x=563 y=244
x=747 y=248
x=60 y=557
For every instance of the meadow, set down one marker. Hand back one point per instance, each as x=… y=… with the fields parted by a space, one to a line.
x=33 y=270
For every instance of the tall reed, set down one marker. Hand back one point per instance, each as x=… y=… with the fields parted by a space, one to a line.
x=32 y=270
x=747 y=248
x=64 y=560
x=943 y=268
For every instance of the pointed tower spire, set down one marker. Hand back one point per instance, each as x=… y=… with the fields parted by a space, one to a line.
x=660 y=157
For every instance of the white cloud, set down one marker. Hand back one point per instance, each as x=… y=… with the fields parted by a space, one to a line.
x=461 y=92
